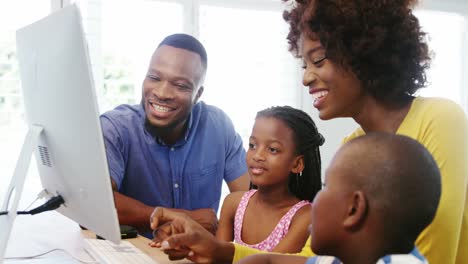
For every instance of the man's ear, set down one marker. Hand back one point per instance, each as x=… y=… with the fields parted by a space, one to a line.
x=298 y=164
x=357 y=211
x=198 y=95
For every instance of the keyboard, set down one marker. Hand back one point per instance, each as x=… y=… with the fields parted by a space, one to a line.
x=105 y=252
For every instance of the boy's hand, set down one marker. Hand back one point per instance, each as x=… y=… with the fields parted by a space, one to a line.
x=189 y=239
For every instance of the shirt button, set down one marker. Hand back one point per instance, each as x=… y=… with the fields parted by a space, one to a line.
x=176 y=185
x=172 y=149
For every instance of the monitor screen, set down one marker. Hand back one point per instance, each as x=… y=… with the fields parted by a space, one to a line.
x=59 y=96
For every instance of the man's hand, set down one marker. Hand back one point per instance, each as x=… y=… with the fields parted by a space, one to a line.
x=206 y=217
x=189 y=239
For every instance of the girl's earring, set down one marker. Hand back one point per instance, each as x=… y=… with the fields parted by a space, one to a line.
x=300 y=174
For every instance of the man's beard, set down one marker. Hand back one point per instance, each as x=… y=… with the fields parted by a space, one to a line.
x=162 y=131
x=157 y=131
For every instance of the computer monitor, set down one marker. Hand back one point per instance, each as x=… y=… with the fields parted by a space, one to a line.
x=64 y=128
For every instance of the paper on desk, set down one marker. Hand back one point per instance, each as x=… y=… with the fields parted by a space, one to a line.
x=36 y=234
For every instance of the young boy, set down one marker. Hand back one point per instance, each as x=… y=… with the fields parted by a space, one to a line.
x=381 y=190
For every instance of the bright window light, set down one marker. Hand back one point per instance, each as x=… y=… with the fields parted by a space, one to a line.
x=249 y=66
x=445 y=32
x=131 y=32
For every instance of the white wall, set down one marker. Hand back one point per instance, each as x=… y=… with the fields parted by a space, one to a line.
x=460 y=7
x=456 y=6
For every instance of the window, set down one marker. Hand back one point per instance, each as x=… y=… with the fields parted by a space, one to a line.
x=131 y=32
x=249 y=66
x=13 y=15
x=446 y=73
x=256 y=70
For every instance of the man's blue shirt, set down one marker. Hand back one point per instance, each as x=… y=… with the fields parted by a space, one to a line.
x=186 y=175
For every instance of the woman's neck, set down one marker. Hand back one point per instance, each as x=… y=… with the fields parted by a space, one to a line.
x=378 y=117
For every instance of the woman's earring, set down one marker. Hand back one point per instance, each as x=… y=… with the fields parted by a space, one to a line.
x=300 y=174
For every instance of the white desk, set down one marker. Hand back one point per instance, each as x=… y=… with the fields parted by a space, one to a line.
x=36 y=234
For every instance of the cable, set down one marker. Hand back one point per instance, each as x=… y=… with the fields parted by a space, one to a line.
x=50 y=251
x=42 y=194
x=51 y=204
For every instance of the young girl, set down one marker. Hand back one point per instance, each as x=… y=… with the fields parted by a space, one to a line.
x=284 y=166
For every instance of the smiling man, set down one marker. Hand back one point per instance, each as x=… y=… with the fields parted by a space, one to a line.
x=172 y=150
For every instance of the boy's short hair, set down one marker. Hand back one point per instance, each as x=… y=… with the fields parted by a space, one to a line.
x=401 y=181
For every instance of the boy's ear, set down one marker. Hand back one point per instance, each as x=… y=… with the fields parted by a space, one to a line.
x=298 y=164
x=357 y=211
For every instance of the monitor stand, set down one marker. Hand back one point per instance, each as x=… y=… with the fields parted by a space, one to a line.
x=13 y=194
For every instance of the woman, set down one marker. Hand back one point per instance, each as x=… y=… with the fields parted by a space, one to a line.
x=366 y=60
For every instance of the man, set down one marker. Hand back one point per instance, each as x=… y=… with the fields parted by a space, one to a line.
x=357 y=217
x=171 y=150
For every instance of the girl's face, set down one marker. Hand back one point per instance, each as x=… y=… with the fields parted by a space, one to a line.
x=335 y=92
x=271 y=154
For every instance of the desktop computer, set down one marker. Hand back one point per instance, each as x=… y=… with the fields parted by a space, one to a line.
x=64 y=128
